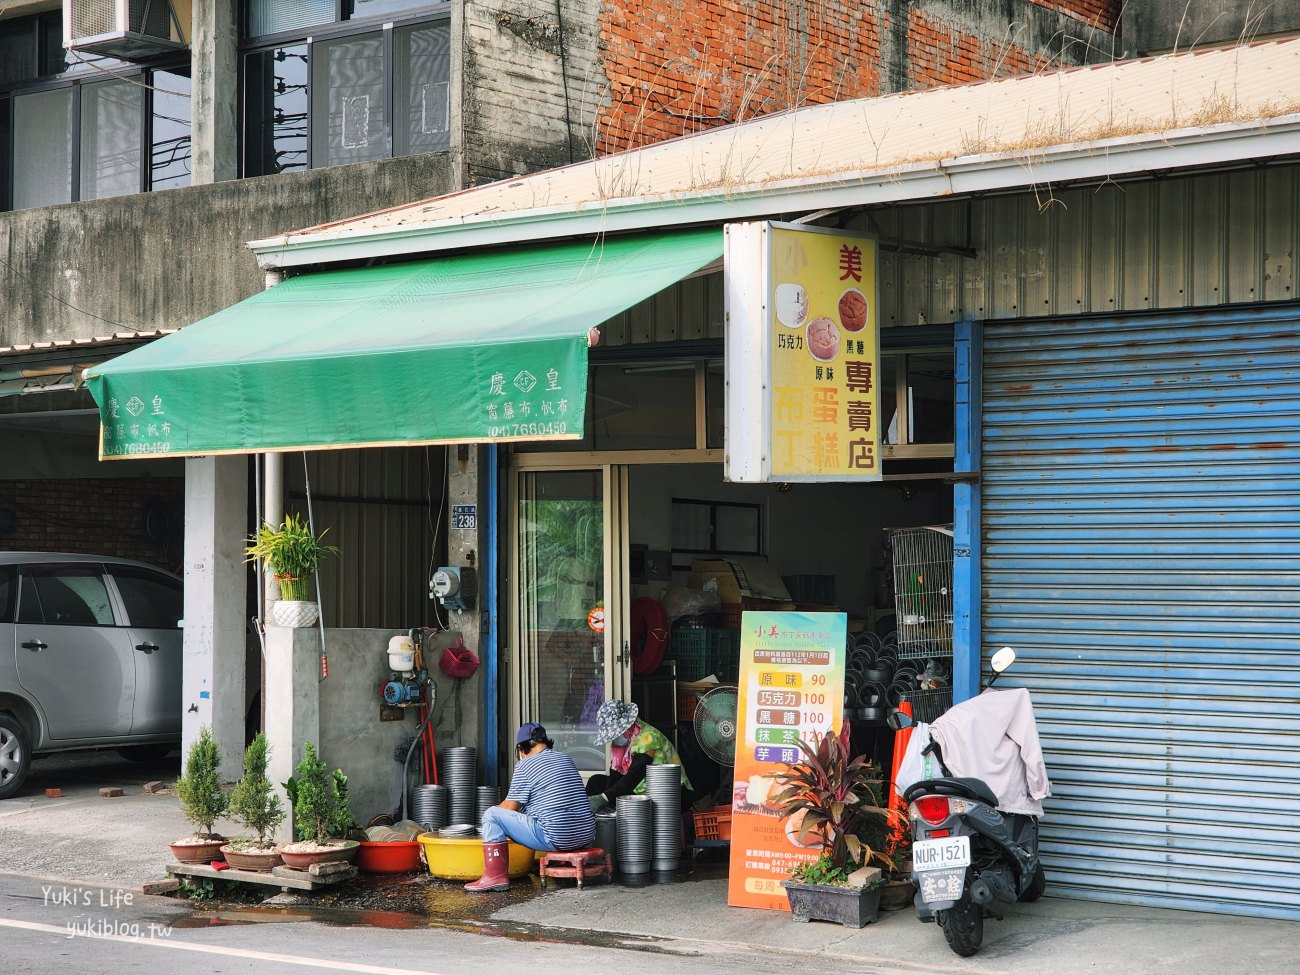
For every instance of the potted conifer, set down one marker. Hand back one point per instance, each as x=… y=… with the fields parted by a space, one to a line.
x=835 y=800
x=254 y=804
x=321 y=817
x=202 y=800
x=291 y=553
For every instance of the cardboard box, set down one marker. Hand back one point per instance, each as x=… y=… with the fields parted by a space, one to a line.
x=739 y=578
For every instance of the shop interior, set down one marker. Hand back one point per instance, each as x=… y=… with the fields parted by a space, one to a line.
x=700 y=550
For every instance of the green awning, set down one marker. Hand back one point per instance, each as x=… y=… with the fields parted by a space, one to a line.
x=479 y=347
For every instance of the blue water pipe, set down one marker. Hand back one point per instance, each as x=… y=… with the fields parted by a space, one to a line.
x=492 y=645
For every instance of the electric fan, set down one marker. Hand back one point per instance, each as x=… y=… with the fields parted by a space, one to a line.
x=715 y=724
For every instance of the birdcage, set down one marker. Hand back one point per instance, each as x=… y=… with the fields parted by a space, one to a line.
x=923 y=590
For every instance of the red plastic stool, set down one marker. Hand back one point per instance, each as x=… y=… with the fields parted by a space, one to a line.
x=578 y=864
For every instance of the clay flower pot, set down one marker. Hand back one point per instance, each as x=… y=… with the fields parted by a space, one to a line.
x=302 y=855
x=252 y=858
x=197 y=849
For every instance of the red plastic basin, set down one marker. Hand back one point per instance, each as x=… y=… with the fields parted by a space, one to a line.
x=388 y=857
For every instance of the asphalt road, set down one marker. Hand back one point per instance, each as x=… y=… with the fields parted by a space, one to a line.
x=52 y=927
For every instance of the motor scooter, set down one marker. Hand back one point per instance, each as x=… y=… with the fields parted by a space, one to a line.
x=969 y=857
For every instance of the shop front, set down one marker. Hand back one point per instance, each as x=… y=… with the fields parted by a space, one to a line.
x=1092 y=385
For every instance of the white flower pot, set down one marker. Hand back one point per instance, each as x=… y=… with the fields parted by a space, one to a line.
x=293 y=612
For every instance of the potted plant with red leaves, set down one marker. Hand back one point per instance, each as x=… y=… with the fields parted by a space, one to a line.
x=832 y=800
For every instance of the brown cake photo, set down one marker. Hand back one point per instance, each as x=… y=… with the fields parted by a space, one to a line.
x=823 y=339
x=853 y=310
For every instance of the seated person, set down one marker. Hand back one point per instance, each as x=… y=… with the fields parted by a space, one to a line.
x=635 y=745
x=545 y=809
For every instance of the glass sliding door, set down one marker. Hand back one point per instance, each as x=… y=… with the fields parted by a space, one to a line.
x=570 y=593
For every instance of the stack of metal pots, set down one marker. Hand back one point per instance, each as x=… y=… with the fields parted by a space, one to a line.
x=664 y=787
x=607 y=835
x=429 y=806
x=460 y=772
x=635 y=834
x=488 y=796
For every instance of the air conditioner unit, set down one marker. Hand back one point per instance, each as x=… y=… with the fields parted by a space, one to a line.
x=130 y=29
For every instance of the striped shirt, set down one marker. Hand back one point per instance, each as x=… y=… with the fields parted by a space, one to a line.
x=550 y=789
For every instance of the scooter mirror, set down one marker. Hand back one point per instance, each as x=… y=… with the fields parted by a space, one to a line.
x=898 y=721
x=1003 y=659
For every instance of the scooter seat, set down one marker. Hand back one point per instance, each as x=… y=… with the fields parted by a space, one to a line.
x=965 y=788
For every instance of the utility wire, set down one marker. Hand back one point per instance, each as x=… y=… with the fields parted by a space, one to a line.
x=50 y=294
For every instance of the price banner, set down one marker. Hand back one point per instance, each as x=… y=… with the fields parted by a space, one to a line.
x=791 y=686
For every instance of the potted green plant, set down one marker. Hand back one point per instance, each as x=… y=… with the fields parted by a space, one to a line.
x=832 y=801
x=321 y=817
x=202 y=800
x=255 y=805
x=291 y=553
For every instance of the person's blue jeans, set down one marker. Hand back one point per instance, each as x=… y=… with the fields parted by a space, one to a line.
x=501 y=824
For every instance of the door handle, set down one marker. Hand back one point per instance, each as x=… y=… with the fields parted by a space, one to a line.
x=35 y=645
x=146 y=647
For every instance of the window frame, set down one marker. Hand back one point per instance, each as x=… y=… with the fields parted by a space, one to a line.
x=134 y=572
x=433 y=14
x=30 y=571
x=144 y=75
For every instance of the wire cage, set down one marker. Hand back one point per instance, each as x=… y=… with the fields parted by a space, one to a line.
x=923 y=590
x=927 y=705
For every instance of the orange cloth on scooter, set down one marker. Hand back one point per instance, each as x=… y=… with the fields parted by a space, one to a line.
x=993 y=737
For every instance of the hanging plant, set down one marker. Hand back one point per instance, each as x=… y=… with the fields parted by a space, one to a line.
x=290 y=552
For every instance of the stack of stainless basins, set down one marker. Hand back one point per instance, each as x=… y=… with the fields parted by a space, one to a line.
x=460 y=773
x=429 y=806
x=664 y=787
x=488 y=796
x=635 y=834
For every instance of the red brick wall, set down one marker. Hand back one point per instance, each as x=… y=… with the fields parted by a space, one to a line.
x=1096 y=13
x=680 y=66
x=939 y=54
x=97 y=516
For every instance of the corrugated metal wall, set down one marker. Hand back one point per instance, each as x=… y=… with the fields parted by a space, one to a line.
x=1201 y=240
x=1141 y=550
x=381 y=507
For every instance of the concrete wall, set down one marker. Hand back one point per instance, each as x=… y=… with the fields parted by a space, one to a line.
x=164 y=260
x=1154 y=26
x=341 y=715
x=541 y=87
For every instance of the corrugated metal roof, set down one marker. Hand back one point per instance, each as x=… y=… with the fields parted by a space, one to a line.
x=58 y=345
x=1100 y=112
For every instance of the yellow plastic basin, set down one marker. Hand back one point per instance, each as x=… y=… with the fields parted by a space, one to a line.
x=456 y=859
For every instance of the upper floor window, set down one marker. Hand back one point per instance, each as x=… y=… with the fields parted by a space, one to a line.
x=85 y=128
x=355 y=92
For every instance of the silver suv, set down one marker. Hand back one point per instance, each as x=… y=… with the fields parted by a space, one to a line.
x=90 y=657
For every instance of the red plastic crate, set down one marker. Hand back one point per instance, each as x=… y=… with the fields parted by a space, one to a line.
x=713 y=825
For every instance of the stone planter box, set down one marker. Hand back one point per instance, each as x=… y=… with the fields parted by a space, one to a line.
x=853 y=907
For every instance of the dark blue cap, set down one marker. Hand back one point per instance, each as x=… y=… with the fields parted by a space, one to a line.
x=526 y=733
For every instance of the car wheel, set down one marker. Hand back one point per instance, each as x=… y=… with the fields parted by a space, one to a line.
x=145 y=753
x=15 y=755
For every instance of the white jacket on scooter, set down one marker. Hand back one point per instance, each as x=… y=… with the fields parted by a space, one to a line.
x=993 y=737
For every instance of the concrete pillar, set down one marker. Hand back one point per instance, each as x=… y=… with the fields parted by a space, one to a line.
x=216 y=579
x=462 y=543
x=292 y=703
x=214 y=103
x=272 y=514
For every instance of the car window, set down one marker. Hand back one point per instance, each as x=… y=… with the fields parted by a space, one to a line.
x=8 y=592
x=152 y=599
x=72 y=595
